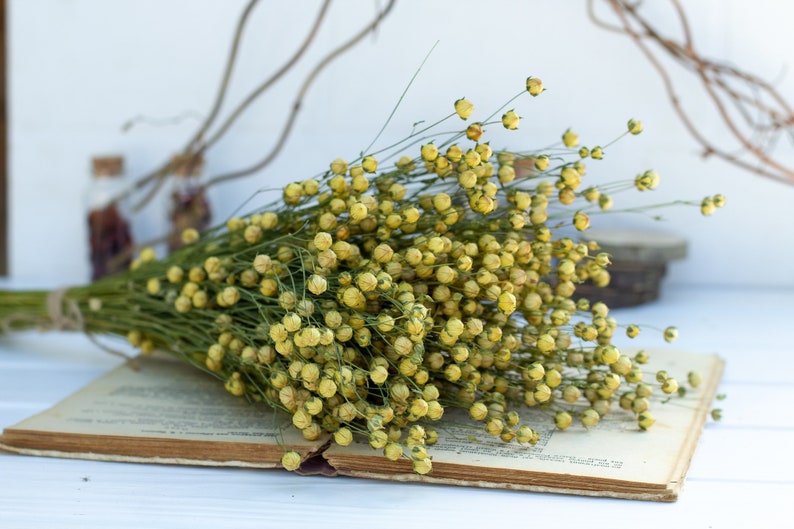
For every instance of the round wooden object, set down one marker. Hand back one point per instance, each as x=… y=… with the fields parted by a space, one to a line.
x=633 y=246
x=639 y=263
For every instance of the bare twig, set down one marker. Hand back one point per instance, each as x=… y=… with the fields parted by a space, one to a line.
x=272 y=79
x=296 y=105
x=160 y=174
x=227 y=74
x=765 y=119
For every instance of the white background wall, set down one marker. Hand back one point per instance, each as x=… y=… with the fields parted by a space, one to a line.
x=80 y=69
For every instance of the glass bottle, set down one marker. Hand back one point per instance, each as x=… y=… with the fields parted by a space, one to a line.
x=189 y=205
x=109 y=233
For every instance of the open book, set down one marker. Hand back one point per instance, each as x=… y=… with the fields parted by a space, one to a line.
x=169 y=412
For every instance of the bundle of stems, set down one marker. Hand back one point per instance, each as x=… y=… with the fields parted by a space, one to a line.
x=366 y=302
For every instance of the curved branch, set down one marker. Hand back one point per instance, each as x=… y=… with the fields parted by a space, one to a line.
x=296 y=105
x=161 y=173
x=269 y=82
x=227 y=74
x=712 y=76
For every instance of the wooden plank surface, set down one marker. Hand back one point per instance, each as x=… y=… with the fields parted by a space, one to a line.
x=742 y=473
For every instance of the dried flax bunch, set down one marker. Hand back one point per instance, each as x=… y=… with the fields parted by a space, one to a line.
x=366 y=303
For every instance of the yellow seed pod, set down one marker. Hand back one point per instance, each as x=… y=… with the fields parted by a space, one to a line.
x=393 y=451
x=358 y=211
x=442 y=166
x=411 y=214
x=369 y=164
x=236 y=223
x=570 y=138
x=153 y=286
x=183 y=304
x=707 y=206
x=645 y=420
x=464 y=108
x=326 y=388
x=454 y=153
x=343 y=436
x=429 y=152
x=189 y=236
x=478 y=411
x=472 y=158
x=383 y=253
x=534 y=86
x=605 y=202
x=474 y=131
x=379 y=374
x=356 y=171
x=403 y=345
x=175 y=274
x=507 y=303
x=234 y=385
x=422 y=466
x=506 y=174
x=442 y=202
x=571 y=393
x=310 y=372
x=644 y=390
x=353 y=298
x=135 y=338
x=268 y=220
x=212 y=264
x=199 y=299
x=452 y=373
x=291 y=460
x=359 y=183
x=268 y=287
x=590 y=418
x=670 y=386
x=563 y=420
x=510 y=120
x=339 y=166
x=485 y=152
x=230 y=295
x=252 y=234
x=542 y=162
x=670 y=334
x=190 y=288
x=545 y=343
x=366 y=281
x=553 y=378
x=694 y=378
x=581 y=221
x=323 y=240
x=418 y=407
x=338 y=184
x=467 y=179
x=446 y=275
x=570 y=177
x=317 y=284
x=310 y=187
x=147 y=255
x=301 y=419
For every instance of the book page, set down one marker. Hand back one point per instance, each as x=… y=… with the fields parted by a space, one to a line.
x=166 y=399
x=615 y=450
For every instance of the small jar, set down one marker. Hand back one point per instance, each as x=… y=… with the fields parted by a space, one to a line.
x=109 y=233
x=189 y=205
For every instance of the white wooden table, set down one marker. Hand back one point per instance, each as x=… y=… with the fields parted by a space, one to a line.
x=742 y=474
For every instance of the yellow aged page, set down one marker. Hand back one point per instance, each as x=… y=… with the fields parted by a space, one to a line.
x=166 y=399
